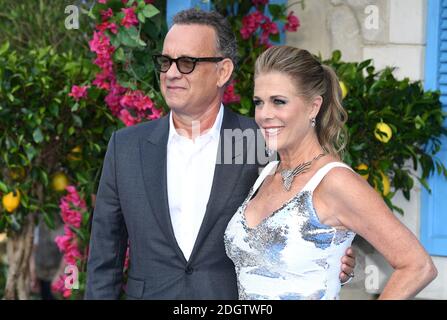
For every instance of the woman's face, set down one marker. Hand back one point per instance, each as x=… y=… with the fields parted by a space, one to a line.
x=283 y=116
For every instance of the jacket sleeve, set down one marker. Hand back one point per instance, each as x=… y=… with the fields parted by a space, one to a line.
x=108 y=240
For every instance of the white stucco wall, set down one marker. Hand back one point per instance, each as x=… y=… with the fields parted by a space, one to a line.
x=398 y=41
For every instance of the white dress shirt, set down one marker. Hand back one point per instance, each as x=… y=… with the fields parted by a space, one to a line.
x=190 y=172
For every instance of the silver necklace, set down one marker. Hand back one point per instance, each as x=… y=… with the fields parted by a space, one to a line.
x=289 y=174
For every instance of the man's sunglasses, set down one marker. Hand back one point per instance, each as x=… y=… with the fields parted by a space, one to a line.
x=184 y=64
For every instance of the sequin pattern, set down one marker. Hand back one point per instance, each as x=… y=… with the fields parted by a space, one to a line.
x=289 y=255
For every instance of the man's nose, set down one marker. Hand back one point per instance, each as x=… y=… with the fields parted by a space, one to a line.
x=173 y=71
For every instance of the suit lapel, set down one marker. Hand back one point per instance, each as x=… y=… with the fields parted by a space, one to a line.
x=154 y=166
x=225 y=176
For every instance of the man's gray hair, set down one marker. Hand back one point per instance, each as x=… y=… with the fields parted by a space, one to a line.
x=226 y=41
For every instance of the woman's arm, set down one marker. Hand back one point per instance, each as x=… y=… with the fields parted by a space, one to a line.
x=358 y=207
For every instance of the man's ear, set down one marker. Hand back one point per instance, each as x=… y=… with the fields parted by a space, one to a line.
x=225 y=70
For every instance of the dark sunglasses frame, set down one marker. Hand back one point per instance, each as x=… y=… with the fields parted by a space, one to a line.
x=193 y=59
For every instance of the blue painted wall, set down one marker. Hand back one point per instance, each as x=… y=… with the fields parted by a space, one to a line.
x=434 y=205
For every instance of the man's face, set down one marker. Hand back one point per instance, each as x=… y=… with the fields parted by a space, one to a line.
x=194 y=92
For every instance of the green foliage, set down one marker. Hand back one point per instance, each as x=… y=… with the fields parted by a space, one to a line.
x=40 y=23
x=414 y=115
x=40 y=125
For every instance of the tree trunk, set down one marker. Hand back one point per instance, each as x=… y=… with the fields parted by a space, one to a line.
x=19 y=247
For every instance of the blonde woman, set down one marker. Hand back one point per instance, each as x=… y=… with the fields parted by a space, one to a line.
x=288 y=236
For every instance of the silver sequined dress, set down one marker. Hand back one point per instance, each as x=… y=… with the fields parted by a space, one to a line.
x=290 y=254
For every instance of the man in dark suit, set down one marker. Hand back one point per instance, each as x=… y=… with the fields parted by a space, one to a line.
x=170 y=186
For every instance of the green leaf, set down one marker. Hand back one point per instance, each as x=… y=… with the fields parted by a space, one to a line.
x=49 y=220
x=3 y=187
x=126 y=38
x=399 y=210
x=364 y=64
x=77 y=120
x=54 y=110
x=75 y=107
x=424 y=184
x=97 y=147
x=10 y=97
x=276 y=11
x=116 y=40
x=275 y=37
x=141 y=43
x=336 y=56
x=60 y=128
x=133 y=32
x=44 y=177
x=71 y=130
x=119 y=55
x=31 y=152
x=81 y=178
x=4 y=48
x=37 y=135
x=149 y=11
x=418 y=122
x=141 y=17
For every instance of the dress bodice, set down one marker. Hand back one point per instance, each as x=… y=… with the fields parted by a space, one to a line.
x=290 y=254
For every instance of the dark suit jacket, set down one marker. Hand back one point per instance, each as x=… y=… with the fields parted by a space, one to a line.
x=132 y=206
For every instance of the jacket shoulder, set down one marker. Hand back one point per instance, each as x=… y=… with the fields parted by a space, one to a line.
x=140 y=130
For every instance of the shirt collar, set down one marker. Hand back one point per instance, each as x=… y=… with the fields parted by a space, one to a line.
x=213 y=132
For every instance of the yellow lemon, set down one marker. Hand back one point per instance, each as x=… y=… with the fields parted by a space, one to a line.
x=11 y=201
x=75 y=154
x=387 y=132
x=385 y=183
x=59 y=182
x=363 y=167
x=344 y=89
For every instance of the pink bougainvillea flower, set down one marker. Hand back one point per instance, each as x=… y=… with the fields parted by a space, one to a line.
x=230 y=95
x=251 y=23
x=63 y=242
x=106 y=14
x=137 y=101
x=72 y=254
x=127 y=259
x=59 y=286
x=293 y=23
x=127 y=118
x=155 y=114
x=268 y=28
x=108 y=26
x=78 y=92
x=130 y=19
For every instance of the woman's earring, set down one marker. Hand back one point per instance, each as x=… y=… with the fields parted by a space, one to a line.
x=313 y=122
x=269 y=152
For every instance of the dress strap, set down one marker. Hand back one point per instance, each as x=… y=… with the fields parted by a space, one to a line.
x=268 y=170
x=312 y=184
